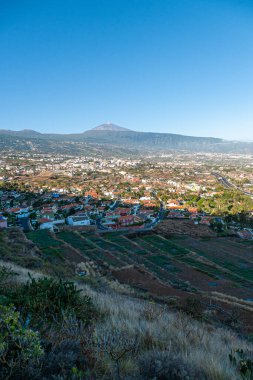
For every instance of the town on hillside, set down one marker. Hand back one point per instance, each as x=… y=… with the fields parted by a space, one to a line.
x=38 y=191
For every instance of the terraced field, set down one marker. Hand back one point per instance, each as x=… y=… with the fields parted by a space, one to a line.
x=185 y=263
x=48 y=245
x=216 y=270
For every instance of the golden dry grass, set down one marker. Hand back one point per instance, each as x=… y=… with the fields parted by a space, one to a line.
x=157 y=328
x=131 y=330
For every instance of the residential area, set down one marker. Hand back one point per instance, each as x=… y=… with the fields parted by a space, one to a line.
x=41 y=192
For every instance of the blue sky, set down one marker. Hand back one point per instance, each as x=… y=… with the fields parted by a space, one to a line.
x=179 y=66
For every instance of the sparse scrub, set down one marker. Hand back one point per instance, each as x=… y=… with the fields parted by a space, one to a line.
x=20 y=347
x=6 y=273
x=194 y=308
x=192 y=343
x=99 y=334
x=243 y=361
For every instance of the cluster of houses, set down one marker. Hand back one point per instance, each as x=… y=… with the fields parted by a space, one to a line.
x=49 y=211
x=122 y=217
x=53 y=210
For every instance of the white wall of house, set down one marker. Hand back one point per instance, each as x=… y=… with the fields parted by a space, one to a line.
x=46 y=226
x=74 y=222
x=59 y=221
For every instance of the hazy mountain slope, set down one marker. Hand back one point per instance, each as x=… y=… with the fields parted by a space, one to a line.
x=29 y=133
x=59 y=144
x=117 y=140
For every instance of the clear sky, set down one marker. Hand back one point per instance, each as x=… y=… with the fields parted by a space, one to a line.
x=179 y=66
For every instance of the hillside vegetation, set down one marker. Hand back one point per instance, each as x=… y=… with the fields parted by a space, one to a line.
x=123 y=306
x=53 y=329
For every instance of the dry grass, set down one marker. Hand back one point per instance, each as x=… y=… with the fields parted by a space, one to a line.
x=22 y=273
x=232 y=299
x=151 y=327
x=134 y=334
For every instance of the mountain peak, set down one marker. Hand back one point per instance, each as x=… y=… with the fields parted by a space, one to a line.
x=109 y=127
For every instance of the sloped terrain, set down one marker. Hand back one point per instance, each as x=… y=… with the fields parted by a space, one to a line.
x=218 y=272
x=156 y=306
x=76 y=332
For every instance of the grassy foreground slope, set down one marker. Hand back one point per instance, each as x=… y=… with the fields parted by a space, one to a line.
x=215 y=273
x=52 y=329
x=72 y=326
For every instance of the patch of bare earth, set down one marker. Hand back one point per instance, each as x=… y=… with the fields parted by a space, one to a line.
x=169 y=227
x=143 y=280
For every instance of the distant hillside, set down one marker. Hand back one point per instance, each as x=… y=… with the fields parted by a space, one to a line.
x=149 y=140
x=112 y=138
x=23 y=133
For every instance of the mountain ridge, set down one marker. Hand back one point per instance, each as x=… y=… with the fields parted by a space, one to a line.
x=111 y=136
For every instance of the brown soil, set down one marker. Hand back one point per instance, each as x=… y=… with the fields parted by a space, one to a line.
x=143 y=280
x=169 y=227
x=73 y=255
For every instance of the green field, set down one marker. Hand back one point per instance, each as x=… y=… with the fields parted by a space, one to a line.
x=48 y=245
x=43 y=239
x=170 y=260
x=75 y=240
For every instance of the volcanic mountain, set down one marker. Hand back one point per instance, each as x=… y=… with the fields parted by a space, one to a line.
x=111 y=138
x=109 y=127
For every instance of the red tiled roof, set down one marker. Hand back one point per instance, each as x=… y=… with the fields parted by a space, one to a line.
x=44 y=220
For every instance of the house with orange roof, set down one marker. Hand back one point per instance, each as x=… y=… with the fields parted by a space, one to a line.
x=91 y=193
x=129 y=219
x=131 y=201
x=192 y=210
x=122 y=211
x=45 y=223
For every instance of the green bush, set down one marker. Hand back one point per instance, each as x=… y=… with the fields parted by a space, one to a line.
x=19 y=346
x=194 y=308
x=244 y=363
x=48 y=300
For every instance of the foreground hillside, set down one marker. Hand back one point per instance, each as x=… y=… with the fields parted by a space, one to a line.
x=208 y=276
x=128 y=306
x=51 y=329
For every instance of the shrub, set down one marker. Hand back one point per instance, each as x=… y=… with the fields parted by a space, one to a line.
x=243 y=362
x=19 y=346
x=194 y=308
x=62 y=358
x=5 y=275
x=112 y=347
x=48 y=300
x=162 y=365
x=67 y=351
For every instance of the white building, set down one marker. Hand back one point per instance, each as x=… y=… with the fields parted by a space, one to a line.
x=80 y=220
x=46 y=224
